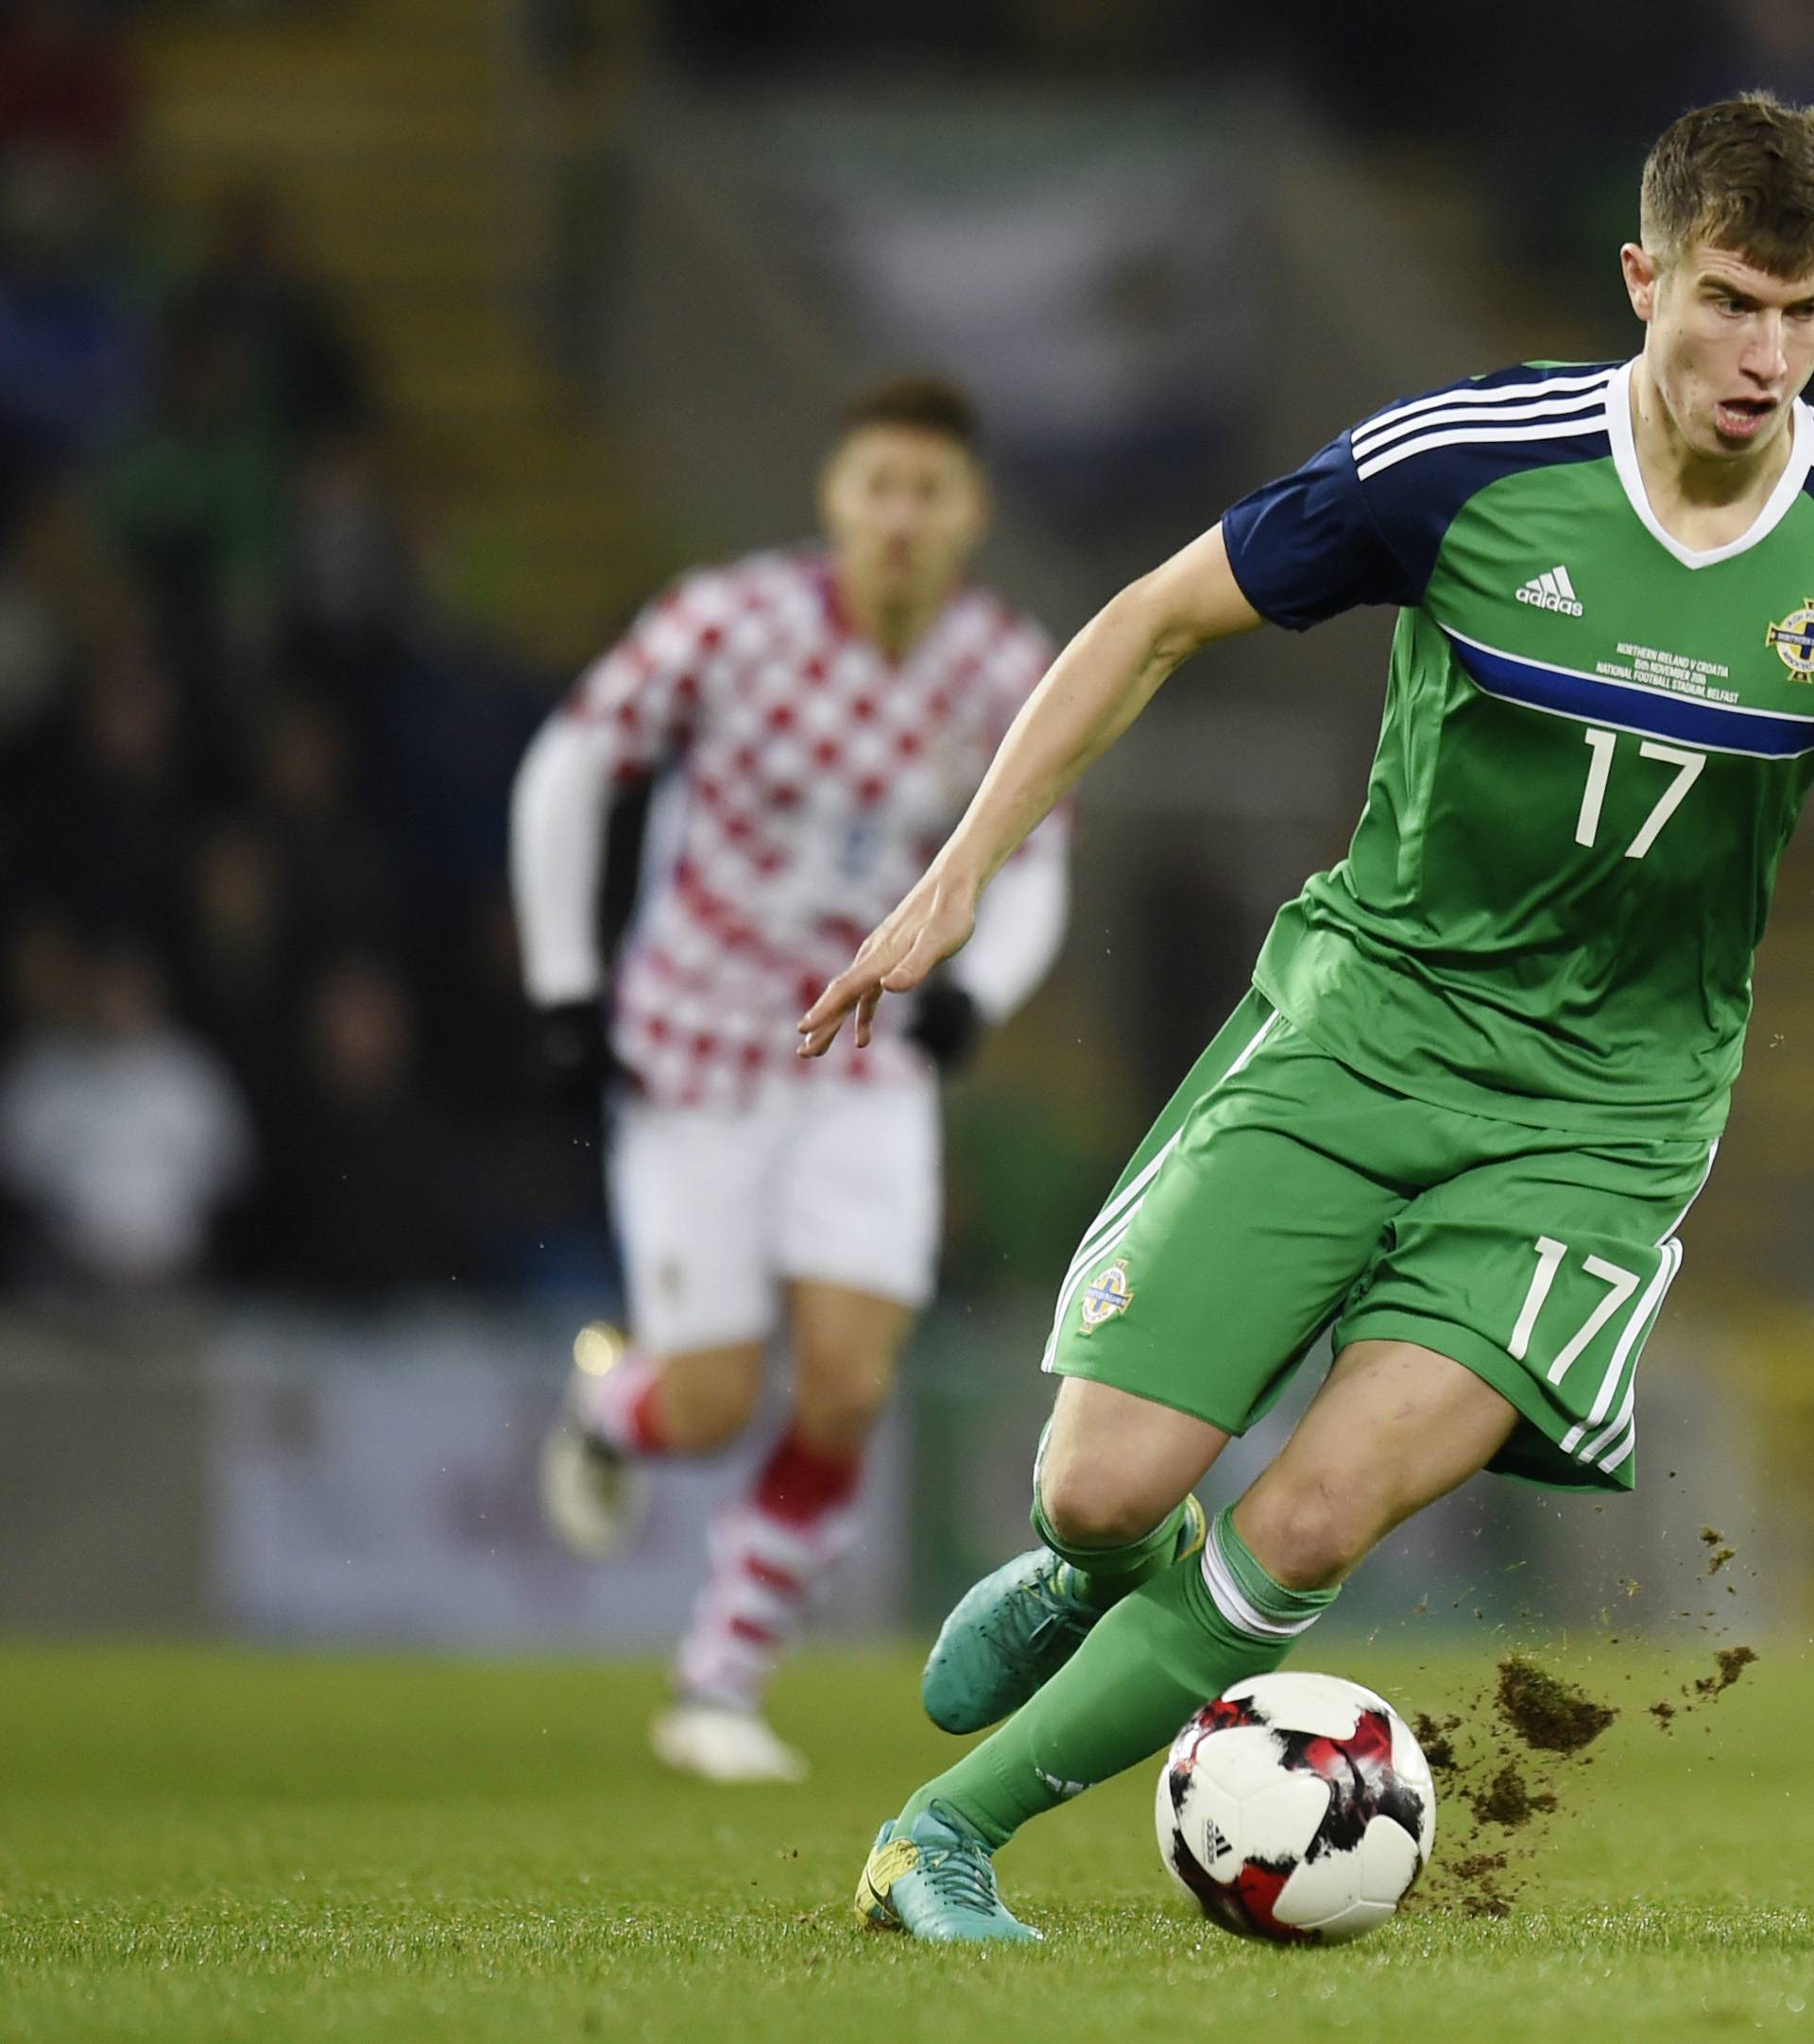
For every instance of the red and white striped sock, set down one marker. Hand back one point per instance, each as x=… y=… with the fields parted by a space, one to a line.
x=769 y=1557
x=619 y=1407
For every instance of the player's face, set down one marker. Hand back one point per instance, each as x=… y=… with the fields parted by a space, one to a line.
x=1729 y=344
x=904 y=508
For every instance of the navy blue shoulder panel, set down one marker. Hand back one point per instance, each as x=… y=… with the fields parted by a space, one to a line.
x=1362 y=521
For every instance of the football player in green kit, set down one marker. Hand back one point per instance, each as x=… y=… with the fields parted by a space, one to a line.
x=1484 y=1068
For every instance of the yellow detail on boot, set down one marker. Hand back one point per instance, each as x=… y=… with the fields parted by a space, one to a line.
x=885 y=1866
x=1195 y=1528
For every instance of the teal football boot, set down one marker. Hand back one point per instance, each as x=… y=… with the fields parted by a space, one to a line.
x=1013 y=1631
x=933 y=1880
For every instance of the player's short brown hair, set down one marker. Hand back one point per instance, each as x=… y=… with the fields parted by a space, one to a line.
x=932 y=403
x=1739 y=174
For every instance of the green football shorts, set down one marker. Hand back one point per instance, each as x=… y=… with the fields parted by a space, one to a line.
x=1281 y=1193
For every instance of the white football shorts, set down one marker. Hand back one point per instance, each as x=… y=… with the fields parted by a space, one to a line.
x=716 y=1209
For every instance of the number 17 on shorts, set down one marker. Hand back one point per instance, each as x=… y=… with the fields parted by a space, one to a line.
x=1608 y=1430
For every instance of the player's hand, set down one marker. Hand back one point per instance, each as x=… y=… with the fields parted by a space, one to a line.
x=934 y=920
x=573 y=1060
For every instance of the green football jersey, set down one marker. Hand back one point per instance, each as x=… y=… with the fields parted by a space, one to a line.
x=1596 y=744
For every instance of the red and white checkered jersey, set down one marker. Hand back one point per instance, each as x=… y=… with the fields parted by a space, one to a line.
x=812 y=779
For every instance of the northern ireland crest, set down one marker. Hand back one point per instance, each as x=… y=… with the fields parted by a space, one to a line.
x=1106 y=1294
x=1794 y=639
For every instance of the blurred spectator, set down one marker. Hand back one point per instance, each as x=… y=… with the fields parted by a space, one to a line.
x=362 y=1198
x=238 y=964
x=252 y=296
x=34 y=653
x=352 y=580
x=195 y=499
x=71 y=348
x=37 y=638
x=98 y=828
x=335 y=866
x=46 y=967
x=52 y=550
x=65 y=86
x=122 y=1136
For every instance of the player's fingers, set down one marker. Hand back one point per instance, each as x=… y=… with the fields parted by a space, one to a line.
x=837 y=1000
x=819 y=1026
x=889 y=948
x=932 y=944
x=914 y=966
x=867 y=1008
x=864 y=973
x=841 y=991
x=817 y=1042
x=825 y=1010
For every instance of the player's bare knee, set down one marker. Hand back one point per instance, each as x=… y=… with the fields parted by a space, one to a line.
x=1302 y=1534
x=1086 y=1505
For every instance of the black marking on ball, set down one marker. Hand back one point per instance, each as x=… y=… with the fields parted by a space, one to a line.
x=1362 y=1782
x=1194 y=1874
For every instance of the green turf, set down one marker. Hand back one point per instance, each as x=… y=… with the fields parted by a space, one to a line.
x=208 y=1845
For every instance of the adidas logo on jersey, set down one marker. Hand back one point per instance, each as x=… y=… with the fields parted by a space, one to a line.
x=1552 y=591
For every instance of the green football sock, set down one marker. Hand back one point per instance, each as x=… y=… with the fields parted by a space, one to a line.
x=1181 y=1638
x=1104 y=1575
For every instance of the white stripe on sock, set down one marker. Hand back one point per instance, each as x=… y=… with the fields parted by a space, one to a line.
x=1232 y=1602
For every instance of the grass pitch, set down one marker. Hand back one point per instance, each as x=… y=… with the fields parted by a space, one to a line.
x=209 y=1846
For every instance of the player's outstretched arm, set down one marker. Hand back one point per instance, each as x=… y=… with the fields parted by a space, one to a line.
x=1094 y=690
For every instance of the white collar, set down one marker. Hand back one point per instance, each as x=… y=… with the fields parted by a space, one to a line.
x=1789 y=485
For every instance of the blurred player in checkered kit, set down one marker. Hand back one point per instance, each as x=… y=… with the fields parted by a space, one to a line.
x=817 y=720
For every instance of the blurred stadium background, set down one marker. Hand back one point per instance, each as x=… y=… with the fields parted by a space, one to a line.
x=363 y=363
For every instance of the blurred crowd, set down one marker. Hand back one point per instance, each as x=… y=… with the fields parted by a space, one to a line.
x=258 y=1009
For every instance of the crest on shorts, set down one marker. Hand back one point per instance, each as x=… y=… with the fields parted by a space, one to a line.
x=1107 y=1294
x=1794 y=639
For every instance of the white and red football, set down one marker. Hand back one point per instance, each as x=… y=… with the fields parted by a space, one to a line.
x=1296 y=1807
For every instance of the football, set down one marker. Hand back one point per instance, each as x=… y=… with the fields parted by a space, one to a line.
x=1296 y=1807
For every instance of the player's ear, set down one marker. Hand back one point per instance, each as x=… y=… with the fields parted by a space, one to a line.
x=1642 y=271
